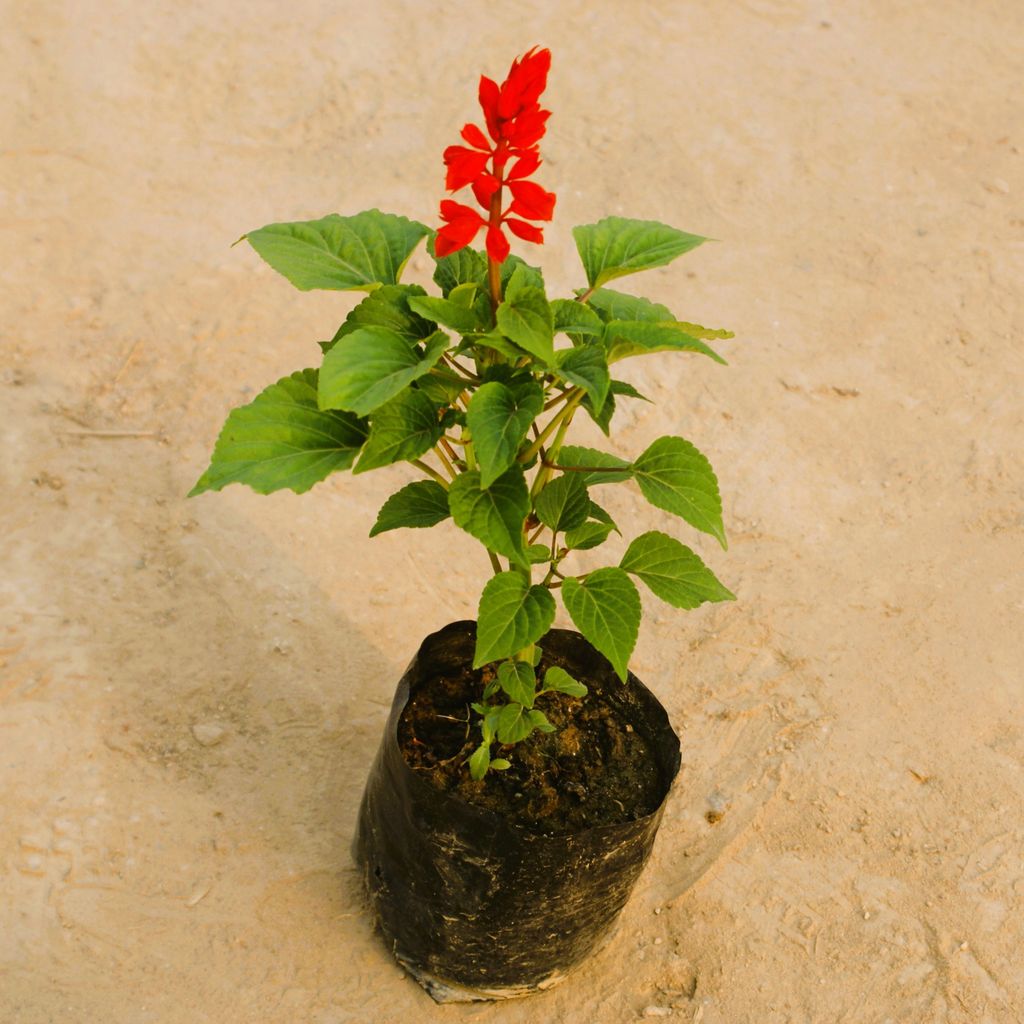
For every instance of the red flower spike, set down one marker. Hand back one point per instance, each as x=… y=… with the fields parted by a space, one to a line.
x=516 y=123
x=527 y=232
x=531 y=201
x=497 y=244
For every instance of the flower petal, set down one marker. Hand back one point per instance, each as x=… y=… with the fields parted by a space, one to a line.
x=524 y=166
x=451 y=211
x=497 y=244
x=455 y=236
x=529 y=128
x=489 y=95
x=472 y=134
x=484 y=188
x=531 y=201
x=525 y=231
x=463 y=166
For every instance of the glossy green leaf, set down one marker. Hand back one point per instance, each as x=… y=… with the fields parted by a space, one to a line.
x=525 y=317
x=612 y=305
x=344 y=253
x=603 y=467
x=512 y=615
x=404 y=428
x=371 y=365
x=557 y=680
x=282 y=439
x=480 y=760
x=420 y=504
x=516 y=678
x=538 y=720
x=606 y=609
x=589 y=535
x=514 y=723
x=674 y=476
x=672 y=571
x=498 y=417
x=586 y=366
x=447 y=313
x=617 y=246
x=388 y=307
x=563 y=504
x=538 y=554
x=624 y=338
x=575 y=318
x=495 y=514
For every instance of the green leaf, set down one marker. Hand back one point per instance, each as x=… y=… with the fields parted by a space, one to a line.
x=462 y=267
x=498 y=417
x=587 y=536
x=282 y=439
x=499 y=343
x=514 y=724
x=343 y=253
x=564 y=503
x=371 y=365
x=447 y=313
x=611 y=305
x=518 y=681
x=401 y=429
x=617 y=246
x=575 y=318
x=388 y=307
x=708 y=333
x=538 y=554
x=501 y=764
x=674 y=476
x=600 y=515
x=538 y=720
x=624 y=338
x=587 y=367
x=420 y=504
x=608 y=468
x=557 y=680
x=606 y=610
x=480 y=761
x=512 y=616
x=495 y=514
x=672 y=571
x=525 y=317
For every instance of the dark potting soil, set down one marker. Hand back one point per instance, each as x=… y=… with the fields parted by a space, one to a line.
x=595 y=769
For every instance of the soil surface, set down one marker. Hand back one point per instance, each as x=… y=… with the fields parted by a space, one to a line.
x=594 y=769
x=192 y=691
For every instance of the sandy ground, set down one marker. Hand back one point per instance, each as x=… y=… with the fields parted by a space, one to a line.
x=857 y=712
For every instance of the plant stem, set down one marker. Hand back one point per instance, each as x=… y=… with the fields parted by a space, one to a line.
x=430 y=471
x=554 y=423
x=564 y=418
x=586 y=469
x=444 y=462
x=449 y=449
x=495 y=564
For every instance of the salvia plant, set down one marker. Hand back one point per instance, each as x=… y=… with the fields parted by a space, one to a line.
x=477 y=388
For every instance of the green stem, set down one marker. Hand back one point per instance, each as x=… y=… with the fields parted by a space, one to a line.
x=553 y=424
x=444 y=462
x=564 y=418
x=430 y=471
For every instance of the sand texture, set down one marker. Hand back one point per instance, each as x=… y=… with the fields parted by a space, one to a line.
x=191 y=690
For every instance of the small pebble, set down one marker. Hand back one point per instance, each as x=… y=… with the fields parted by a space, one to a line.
x=657 y=1011
x=208 y=734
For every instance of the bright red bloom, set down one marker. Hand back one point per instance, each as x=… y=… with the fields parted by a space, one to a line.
x=516 y=124
x=463 y=224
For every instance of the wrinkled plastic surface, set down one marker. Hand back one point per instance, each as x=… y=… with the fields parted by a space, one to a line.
x=478 y=908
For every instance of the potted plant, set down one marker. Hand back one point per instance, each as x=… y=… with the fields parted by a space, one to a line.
x=524 y=769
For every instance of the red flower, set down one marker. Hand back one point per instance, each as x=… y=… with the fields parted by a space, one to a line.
x=516 y=124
